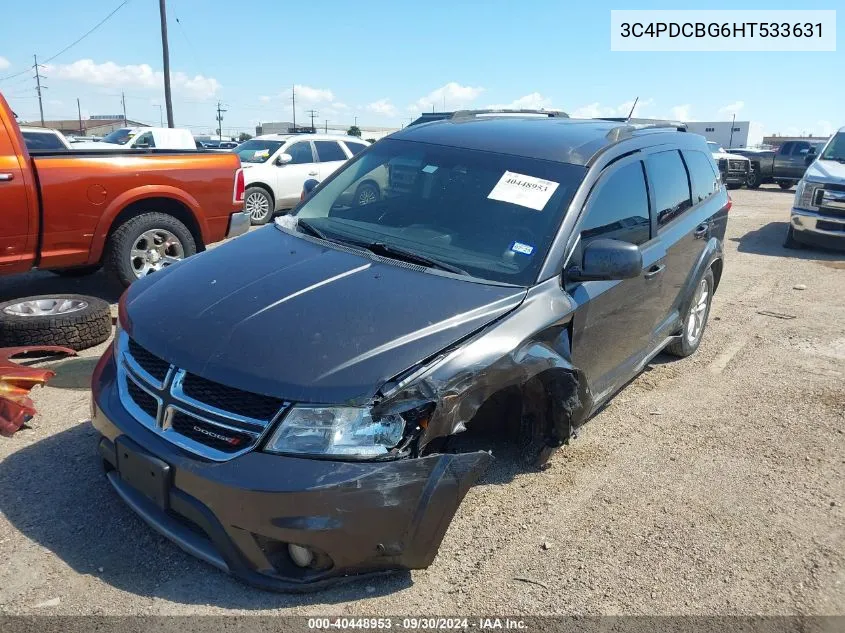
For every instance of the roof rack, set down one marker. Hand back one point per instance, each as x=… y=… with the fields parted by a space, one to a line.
x=472 y=113
x=641 y=124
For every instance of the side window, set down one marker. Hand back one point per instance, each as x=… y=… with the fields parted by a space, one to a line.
x=145 y=139
x=301 y=153
x=786 y=148
x=328 y=151
x=41 y=140
x=619 y=209
x=668 y=177
x=800 y=148
x=705 y=178
x=355 y=148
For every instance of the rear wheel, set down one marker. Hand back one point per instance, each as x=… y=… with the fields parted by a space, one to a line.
x=753 y=179
x=785 y=185
x=695 y=319
x=146 y=244
x=259 y=205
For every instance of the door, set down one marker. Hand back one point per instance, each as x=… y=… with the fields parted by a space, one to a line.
x=17 y=210
x=783 y=161
x=331 y=156
x=614 y=320
x=291 y=177
x=798 y=159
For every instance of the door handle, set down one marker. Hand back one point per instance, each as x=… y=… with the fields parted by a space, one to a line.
x=701 y=231
x=5 y=177
x=654 y=271
x=312 y=173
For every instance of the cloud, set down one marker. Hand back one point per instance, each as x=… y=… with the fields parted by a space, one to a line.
x=732 y=108
x=533 y=101
x=382 y=107
x=4 y=63
x=309 y=95
x=453 y=96
x=132 y=76
x=597 y=110
x=264 y=99
x=680 y=112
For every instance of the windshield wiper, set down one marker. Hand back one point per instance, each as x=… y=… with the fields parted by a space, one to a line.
x=395 y=252
x=311 y=229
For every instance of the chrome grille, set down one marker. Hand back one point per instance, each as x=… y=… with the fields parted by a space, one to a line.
x=199 y=415
x=738 y=165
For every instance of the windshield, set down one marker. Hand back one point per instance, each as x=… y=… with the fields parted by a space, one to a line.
x=835 y=149
x=120 y=137
x=257 y=151
x=714 y=147
x=491 y=215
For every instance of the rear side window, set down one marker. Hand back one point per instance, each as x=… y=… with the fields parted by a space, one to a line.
x=355 y=148
x=620 y=208
x=145 y=139
x=301 y=153
x=328 y=151
x=705 y=178
x=800 y=148
x=668 y=177
x=39 y=140
x=786 y=148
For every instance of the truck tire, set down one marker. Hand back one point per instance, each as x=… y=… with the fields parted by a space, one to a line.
x=259 y=205
x=74 y=321
x=146 y=243
x=753 y=180
x=785 y=185
x=79 y=271
x=790 y=242
x=693 y=329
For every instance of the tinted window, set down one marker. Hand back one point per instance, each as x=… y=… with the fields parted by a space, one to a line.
x=619 y=209
x=120 y=136
x=39 y=140
x=145 y=139
x=668 y=177
x=355 y=147
x=705 y=179
x=328 y=151
x=786 y=148
x=301 y=153
x=800 y=147
x=257 y=150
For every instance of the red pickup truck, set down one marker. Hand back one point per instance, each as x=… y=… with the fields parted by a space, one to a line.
x=132 y=211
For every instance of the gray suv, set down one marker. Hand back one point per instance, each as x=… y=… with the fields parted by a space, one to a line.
x=288 y=418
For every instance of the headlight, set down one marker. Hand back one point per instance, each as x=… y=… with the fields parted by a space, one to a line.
x=806 y=195
x=336 y=431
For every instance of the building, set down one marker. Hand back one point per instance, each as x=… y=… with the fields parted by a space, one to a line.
x=729 y=134
x=95 y=126
x=285 y=127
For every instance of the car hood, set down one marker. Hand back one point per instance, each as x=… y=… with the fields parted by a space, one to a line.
x=285 y=316
x=827 y=171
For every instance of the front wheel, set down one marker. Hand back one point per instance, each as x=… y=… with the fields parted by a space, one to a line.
x=695 y=319
x=753 y=180
x=790 y=242
x=259 y=205
x=145 y=244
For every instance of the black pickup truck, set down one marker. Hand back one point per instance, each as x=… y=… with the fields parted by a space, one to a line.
x=785 y=166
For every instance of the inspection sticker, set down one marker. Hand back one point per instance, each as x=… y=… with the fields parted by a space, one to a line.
x=523 y=190
x=430 y=169
x=261 y=153
x=519 y=247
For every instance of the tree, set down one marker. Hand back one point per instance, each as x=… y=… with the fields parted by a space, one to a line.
x=244 y=137
x=354 y=131
x=371 y=140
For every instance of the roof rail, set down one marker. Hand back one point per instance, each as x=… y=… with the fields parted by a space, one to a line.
x=493 y=111
x=641 y=124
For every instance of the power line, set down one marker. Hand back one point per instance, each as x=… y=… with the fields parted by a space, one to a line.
x=75 y=42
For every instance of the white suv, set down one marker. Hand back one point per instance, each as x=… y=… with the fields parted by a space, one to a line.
x=277 y=165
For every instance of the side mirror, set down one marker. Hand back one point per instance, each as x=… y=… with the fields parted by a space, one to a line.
x=283 y=159
x=307 y=187
x=607 y=259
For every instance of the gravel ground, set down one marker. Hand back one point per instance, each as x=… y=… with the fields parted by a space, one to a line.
x=711 y=485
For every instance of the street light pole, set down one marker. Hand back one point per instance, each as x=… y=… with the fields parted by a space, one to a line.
x=731 y=141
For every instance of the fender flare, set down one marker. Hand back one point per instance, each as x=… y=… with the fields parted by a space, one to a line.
x=138 y=194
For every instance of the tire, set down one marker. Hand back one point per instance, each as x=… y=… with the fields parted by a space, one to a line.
x=79 y=271
x=790 y=242
x=687 y=344
x=753 y=180
x=785 y=185
x=262 y=204
x=74 y=321
x=166 y=235
x=366 y=193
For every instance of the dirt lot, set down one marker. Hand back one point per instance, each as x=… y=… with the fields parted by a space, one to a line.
x=712 y=485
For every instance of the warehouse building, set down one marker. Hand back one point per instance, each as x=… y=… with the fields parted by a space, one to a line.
x=729 y=133
x=95 y=126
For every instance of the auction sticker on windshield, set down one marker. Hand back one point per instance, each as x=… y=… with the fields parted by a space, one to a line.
x=526 y=191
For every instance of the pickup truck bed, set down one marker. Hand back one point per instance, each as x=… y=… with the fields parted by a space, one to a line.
x=132 y=211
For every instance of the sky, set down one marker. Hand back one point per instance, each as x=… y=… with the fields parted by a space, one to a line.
x=381 y=62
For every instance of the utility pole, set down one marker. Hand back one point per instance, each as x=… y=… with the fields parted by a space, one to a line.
x=356 y=120
x=220 y=112
x=38 y=89
x=79 y=112
x=293 y=99
x=313 y=113
x=160 y=116
x=731 y=141
x=327 y=126
x=123 y=103
x=166 y=54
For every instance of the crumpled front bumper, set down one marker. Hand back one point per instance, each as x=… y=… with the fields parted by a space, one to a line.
x=240 y=515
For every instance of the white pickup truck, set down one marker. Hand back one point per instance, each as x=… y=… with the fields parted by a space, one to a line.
x=143 y=137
